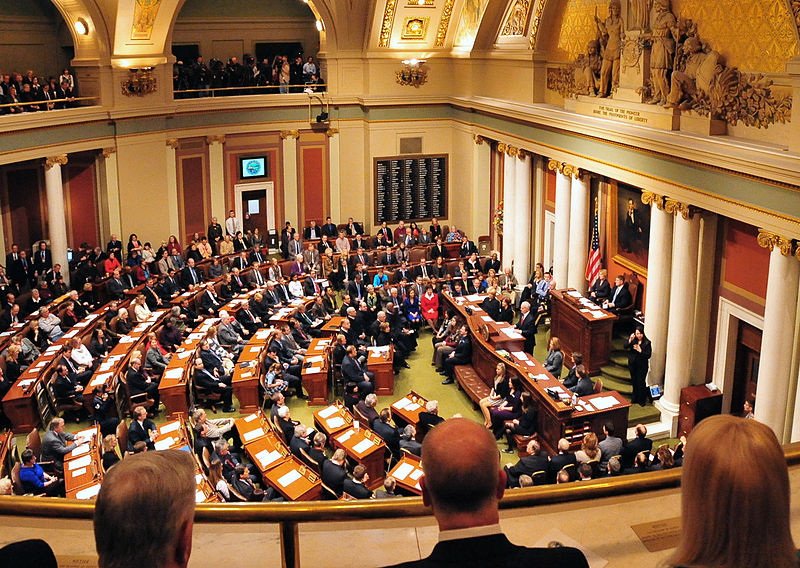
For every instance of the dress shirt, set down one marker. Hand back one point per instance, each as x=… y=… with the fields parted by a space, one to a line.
x=232 y=226
x=470 y=532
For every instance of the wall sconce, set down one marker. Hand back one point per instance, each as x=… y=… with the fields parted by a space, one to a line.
x=140 y=82
x=412 y=73
x=81 y=27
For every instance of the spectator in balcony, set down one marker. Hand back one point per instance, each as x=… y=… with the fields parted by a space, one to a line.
x=309 y=69
x=66 y=77
x=27 y=96
x=12 y=98
x=284 y=77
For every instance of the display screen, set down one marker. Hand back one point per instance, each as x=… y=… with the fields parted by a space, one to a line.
x=253 y=167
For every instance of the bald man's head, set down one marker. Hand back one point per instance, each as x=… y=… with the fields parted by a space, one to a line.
x=462 y=467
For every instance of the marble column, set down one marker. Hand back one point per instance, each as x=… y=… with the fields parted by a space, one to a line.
x=482 y=207
x=704 y=296
x=108 y=182
x=56 y=217
x=578 y=232
x=172 y=187
x=683 y=283
x=659 y=266
x=522 y=218
x=562 y=228
x=509 y=201
x=777 y=340
x=290 y=187
x=216 y=168
x=539 y=191
x=333 y=152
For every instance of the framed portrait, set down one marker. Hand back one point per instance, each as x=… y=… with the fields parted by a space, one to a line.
x=629 y=227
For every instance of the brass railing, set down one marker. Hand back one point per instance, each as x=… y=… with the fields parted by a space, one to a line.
x=251 y=90
x=50 y=102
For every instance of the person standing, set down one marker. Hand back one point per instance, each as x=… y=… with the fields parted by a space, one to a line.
x=232 y=225
x=638 y=364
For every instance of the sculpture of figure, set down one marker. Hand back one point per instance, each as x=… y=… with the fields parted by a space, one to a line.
x=662 y=54
x=588 y=69
x=638 y=13
x=696 y=74
x=611 y=33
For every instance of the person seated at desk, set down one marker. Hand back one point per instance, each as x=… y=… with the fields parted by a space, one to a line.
x=584 y=386
x=231 y=334
x=389 y=486
x=354 y=373
x=279 y=376
x=366 y=408
x=388 y=432
x=334 y=473
x=357 y=485
x=430 y=417
x=506 y=312
x=381 y=279
x=329 y=229
x=572 y=377
x=409 y=442
x=536 y=460
x=620 y=297
x=317 y=450
x=312 y=231
x=555 y=358
x=67 y=385
x=209 y=381
x=601 y=289
x=139 y=382
x=462 y=355
x=57 y=443
x=142 y=429
x=490 y=305
x=510 y=409
x=35 y=480
x=299 y=441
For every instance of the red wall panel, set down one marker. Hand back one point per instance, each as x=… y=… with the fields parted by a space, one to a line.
x=746 y=263
x=314 y=172
x=25 y=200
x=82 y=210
x=194 y=217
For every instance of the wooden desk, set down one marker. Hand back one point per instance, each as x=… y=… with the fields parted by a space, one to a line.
x=247 y=372
x=82 y=471
x=366 y=448
x=407 y=472
x=331 y=327
x=316 y=371
x=252 y=427
x=6 y=454
x=267 y=452
x=332 y=419
x=380 y=362
x=93 y=443
x=500 y=334
x=294 y=480
x=575 y=323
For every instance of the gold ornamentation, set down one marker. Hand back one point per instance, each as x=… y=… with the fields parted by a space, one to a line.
x=649 y=197
x=284 y=134
x=412 y=74
x=770 y=240
x=537 y=18
x=215 y=138
x=554 y=166
x=512 y=151
x=140 y=82
x=502 y=147
x=522 y=154
x=797 y=253
x=674 y=207
x=561 y=80
x=517 y=19
x=106 y=153
x=571 y=171
x=52 y=161
x=331 y=131
x=144 y=17
x=441 y=33
x=478 y=139
x=173 y=143
x=386 y=26
x=420 y=4
x=415 y=28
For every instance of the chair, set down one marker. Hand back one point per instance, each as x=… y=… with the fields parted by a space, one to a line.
x=278 y=430
x=571 y=470
x=206 y=458
x=69 y=406
x=361 y=418
x=539 y=478
x=123 y=393
x=328 y=494
x=33 y=442
x=598 y=386
x=122 y=436
x=16 y=482
x=235 y=495
x=347 y=497
x=311 y=462
x=205 y=396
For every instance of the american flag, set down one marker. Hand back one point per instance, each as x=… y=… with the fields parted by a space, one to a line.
x=593 y=265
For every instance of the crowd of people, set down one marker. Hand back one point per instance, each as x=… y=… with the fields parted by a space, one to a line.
x=30 y=93
x=283 y=74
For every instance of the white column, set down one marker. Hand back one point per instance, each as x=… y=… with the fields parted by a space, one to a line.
x=777 y=342
x=683 y=284
x=172 y=187
x=216 y=168
x=521 y=210
x=539 y=191
x=509 y=218
x=561 y=245
x=290 y=187
x=56 y=218
x=482 y=208
x=335 y=210
x=659 y=266
x=108 y=182
x=579 y=232
x=704 y=297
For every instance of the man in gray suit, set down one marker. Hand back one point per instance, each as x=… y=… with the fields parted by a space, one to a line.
x=610 y=446
x=230 y=334
x=57 y=443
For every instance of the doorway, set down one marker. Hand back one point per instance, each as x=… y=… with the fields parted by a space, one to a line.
x=745 y=371
x=258 y=201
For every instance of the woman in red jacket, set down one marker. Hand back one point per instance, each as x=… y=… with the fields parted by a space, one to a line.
x=429 y=306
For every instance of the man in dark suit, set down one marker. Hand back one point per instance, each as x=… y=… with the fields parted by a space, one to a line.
x=383 y=428
x=354 y=373
x=438 y=250
x=584 y=386
x=310 y=285
x=191 y=275
x=14 y=267
x=42 y=259
x=256 y=256
x=353 y=228
x=468 y=503
x=462 y=355
x=620 y=297
x=356 y=486
x=359 y=242
x=312 y=231
x=385 y=234
x=209 y=303
x=467 y=248
x=65 y=385
x=572 y=377
x=208 y=381
x=641 y=443
x=536 y=460
x=560 y=460
x=141 y=429
x=329 y=229
x=334 y=473
x=527 y=326
x=139 y=383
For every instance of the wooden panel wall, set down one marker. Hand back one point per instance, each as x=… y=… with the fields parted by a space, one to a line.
x=80 y=194
x=25 y=204
x=194 y=199
x=313 y=175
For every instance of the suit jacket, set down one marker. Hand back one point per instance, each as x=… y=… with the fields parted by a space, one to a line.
x=624 y=298
x=602 y=289
x=333 y=475
x=467 y=249
x=496 y=550
x=463 y=352
x=56 y=446
x=492 y=265
x=557 y=463
x=584 y=387
x=527 y=465
x=330 y=230
x=389 y=434
x=209 y=304
x=138 y=434
x=255 y=279
x=354 y=230
x=317 y=233
x=633 y=447
x=357 y=490
x=42 y=265
x=310 y=287
x=351 y=370
x=255 y=255
x=187 y=279
x=116 y=289
x=527 y=327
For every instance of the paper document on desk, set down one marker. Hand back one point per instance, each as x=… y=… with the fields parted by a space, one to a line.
x=251 y=417
x=141 y=327
x=79 y=463
x=324 y=413
x=310 y=370
x=323 y=342
x=88 y=493
x=511 y=332
x=402 y=403
x=199 y=497
x=72 y=333
x=335 y=422
x=314 y=359
x=265 y=458
x=253 y=434
x=604 y=402
x=170 y=427
x=363 y=446
x=346 y=436
x=486 y=318
x=474 y=298
x=574 y=294
x=87 y=434
x=403 y=471
x=100 y=379
x=521 y=355
x=597 y=314
x=164 y=444
x=263 y=334
x=256 y=349
x=586 y=311
x=126 y=339
x=416 y=475
x=173 y=373
x=412 y=407
x=26 y=383
x=289 y=478
x=184 y=354
x=79 y=472
x=382 y=349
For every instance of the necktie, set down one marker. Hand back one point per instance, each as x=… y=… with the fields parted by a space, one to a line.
x=259 y=280
x=42 y=256
x=194 y=277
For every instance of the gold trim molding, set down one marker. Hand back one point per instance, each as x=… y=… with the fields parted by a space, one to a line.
x=331 y=132
x=216 y=138
x=675 y=207
x=386 y=25
x=770 y=240
x=52 y=161
x=289 y=134
x=649 y=197
x=173 y=143
x=441 y=33
x=566 y=169
x=106 y=153
x=478 y=139
x=535 y=21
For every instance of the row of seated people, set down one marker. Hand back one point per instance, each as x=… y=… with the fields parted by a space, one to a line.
x=30 y=93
